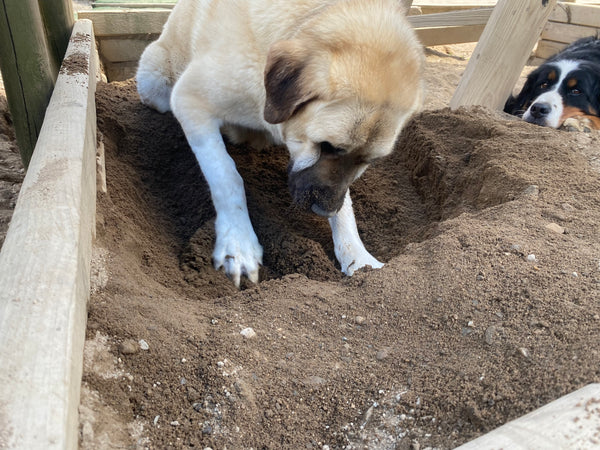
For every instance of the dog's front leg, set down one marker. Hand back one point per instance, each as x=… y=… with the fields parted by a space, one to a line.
x=349 y=249
x=237 y=250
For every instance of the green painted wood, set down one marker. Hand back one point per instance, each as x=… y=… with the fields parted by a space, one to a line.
x=58 y=18
x=28 y=69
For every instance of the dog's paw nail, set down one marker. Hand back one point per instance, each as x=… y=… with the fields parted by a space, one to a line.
x=236 y=278
x=253 y=276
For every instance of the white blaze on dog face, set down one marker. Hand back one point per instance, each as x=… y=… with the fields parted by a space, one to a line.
x=552 y=100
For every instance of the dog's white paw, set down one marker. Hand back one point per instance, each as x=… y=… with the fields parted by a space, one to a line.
x=578 y=123
x=237 y=252
x=351 y=264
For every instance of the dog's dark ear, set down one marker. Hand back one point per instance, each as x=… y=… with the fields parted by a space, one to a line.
x=517 y=105
x=511 y=105
x=284 y=81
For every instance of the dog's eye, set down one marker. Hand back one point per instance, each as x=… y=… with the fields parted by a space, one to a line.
x=328 y=149
x=544 y=85
x=575 y=91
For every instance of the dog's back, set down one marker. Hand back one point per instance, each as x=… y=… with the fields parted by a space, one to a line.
x=237 y=33
x=585 y=49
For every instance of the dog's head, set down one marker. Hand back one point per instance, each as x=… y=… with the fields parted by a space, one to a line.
x=557 y=91
x=340 y=97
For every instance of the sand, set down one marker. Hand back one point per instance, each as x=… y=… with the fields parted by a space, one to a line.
x=487 y=308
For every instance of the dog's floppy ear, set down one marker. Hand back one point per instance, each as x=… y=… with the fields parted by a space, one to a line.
x=517 y=105
x=284 y=84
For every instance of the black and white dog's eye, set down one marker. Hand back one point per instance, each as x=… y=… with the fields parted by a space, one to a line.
x=545 y=85
x=328 y=149
x=575 y=91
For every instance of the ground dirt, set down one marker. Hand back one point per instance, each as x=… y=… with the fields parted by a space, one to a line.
x=488 y=306
x=461 y=331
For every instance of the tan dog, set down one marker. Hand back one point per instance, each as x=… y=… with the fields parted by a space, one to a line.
x=333 y=80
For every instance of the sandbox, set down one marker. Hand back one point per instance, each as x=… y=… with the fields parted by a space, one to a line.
x=486 y=309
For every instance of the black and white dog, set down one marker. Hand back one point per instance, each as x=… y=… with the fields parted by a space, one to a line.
x=564 y=90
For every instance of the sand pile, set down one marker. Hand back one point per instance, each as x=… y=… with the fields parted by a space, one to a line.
x=460 y=332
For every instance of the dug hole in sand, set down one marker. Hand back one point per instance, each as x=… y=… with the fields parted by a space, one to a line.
x=488 y=306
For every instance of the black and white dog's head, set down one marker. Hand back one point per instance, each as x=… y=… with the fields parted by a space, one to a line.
x=566 y=85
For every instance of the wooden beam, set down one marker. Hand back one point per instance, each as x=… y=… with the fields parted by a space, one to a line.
x=449 y=35
x=45 y=266
x=546 y=49
x=125 y=50
x=444 y=7
x=28 y=69
x=588 y=15
x=501 y=53
x=453 y=27
x=571 y=421
x=452 y=19
x=58 y=20
x=123 y=23
x=567 y=33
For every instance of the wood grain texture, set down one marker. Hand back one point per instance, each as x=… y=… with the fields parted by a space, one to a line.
x=571 y=422
x=565 y=32
x=453 y=18
x=588 y=15
x=128 y=22
x=449 y=35
x=45 y=265
x=501 y=53
x=28 y=69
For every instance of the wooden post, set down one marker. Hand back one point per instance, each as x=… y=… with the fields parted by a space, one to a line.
x=501 y=53
x=45 y=266
x=27 y=69
x=58 y=18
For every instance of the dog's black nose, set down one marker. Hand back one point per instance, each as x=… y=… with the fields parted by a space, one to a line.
x=539 y=110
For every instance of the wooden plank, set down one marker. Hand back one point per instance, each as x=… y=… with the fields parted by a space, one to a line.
x=134 y=2
x=122 y=23
x=454 y=18
x=588 y=15
x=501 y=53
x=443 y=7
x=449 y=35
x=45 y=266
x=120 y=71
x=133 y=5
x=546 y=49
x=564 y=32
x=28 y=69
x=58 y=19
x=571 y=422
x=124 y=50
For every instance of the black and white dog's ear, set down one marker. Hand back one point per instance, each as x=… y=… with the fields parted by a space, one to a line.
x=510 y=105
x=517 y=105
x=285 y=85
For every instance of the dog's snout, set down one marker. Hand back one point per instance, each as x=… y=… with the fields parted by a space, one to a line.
x=540 y=109
x=322 y=200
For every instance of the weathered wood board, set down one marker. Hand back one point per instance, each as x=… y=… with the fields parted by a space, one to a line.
x=571 y=422
x=567 y=23
x=45 y=265
x=501 y=53
x=123 y=34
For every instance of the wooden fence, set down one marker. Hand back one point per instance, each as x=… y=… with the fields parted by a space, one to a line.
x=33 y=40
